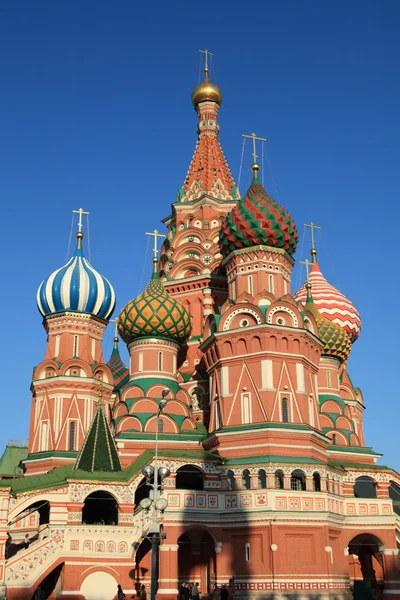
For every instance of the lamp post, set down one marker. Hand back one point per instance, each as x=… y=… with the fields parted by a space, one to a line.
x=155 y=502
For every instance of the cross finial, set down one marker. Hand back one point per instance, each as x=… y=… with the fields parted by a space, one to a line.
x=307 y=263
x=312 y=227
x=206 y=53
x=254 y=138
x=80 y=212
x=156 y=235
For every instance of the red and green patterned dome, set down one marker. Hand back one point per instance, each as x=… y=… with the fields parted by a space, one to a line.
x=337 y=342
x=154 y=313
x=258 y=220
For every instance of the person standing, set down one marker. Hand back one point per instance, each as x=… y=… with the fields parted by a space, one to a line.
x=120 y=594
x=195 y=593
x=143 y=594
x=224 y=593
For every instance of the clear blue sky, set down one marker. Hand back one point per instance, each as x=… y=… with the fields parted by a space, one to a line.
x=96 y=112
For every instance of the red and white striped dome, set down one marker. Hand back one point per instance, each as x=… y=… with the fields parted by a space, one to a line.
x=331 y=303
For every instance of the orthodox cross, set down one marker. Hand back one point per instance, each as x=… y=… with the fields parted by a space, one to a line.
x=312 y=227
x=80 y=212
x=116 y=326
x=206 y=53
x=254 y=138
x=156 y=235
x=307 y=263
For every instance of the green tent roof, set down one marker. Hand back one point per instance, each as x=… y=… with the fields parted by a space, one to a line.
x=9 y=462
x=99 y=452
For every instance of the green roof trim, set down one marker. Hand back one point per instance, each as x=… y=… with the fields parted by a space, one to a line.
x=59 y=476
x=9 y=462
x=51 y=453
x=264 y=426
x=134 y=434
x=324 y=397
x=146 y=382
x=99 y=452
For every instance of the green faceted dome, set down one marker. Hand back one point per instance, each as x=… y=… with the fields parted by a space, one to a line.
x=258 y=220
x=154 y=313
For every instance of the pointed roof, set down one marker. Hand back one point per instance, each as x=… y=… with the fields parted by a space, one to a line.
x=99 y=452
x=208 y=171
x=119 y=371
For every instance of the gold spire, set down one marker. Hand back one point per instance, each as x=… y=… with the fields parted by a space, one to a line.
x=206 y=90
x=255 y=167
x=313 y=251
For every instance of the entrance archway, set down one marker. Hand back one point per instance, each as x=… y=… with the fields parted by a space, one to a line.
x=196 y=559
x=366 y=566
x=99 y=586
x=100 y=508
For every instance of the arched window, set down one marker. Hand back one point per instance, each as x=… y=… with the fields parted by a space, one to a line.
x=76 y=346
x=142 y=490
x=298 y=480
x=189 y=477
x=250 y=285
x=328 y=379
x=160 y=361
x=316 y=482
x=71 y=436
x=262 y=479
x=231 y=480
x=365 y=487
x=160 y=426
x=271 y=287
x=100 y=508
x=279 y=480
x=246 y=479
x=57 y=346
x=285 y=410
x=334 y=439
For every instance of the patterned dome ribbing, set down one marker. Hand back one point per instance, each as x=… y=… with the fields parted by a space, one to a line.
x=76 y=287
x=154 y=313
x=337 y=342
x=331 y=303
x=258 y=220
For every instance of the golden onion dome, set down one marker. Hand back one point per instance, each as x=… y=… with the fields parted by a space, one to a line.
x=206 y=91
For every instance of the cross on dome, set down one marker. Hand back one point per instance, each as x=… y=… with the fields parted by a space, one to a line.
x=80 y=212
x=312 y=226
x=253 y=137
x=206 y=53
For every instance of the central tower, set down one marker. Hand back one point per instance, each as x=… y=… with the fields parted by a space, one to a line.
x=190 y=264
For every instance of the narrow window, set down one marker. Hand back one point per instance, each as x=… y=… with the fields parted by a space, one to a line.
x=44 y=436
x=284 y=286
x=334 y=439
x=311 y=410
x=160 y=426
x=250 y=285
x=76 y=345
x=247 y=551
x=94 y=349
x=57 y=345
x=301 y=385
x=233 y=287
x=160 y=361
x=271 y=287
x=71 y=438
x=246 y=408
x=328 y=379
x=285 y=410
x=140 y=368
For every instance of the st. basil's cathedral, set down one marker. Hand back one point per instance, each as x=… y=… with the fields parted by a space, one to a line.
x=267 y=485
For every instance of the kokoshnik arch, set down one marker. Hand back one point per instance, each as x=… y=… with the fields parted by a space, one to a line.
x=270 y=482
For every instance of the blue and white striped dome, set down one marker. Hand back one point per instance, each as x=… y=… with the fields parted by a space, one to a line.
x=76 y=287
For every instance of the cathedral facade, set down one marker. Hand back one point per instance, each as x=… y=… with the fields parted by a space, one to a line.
x=241 y=384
